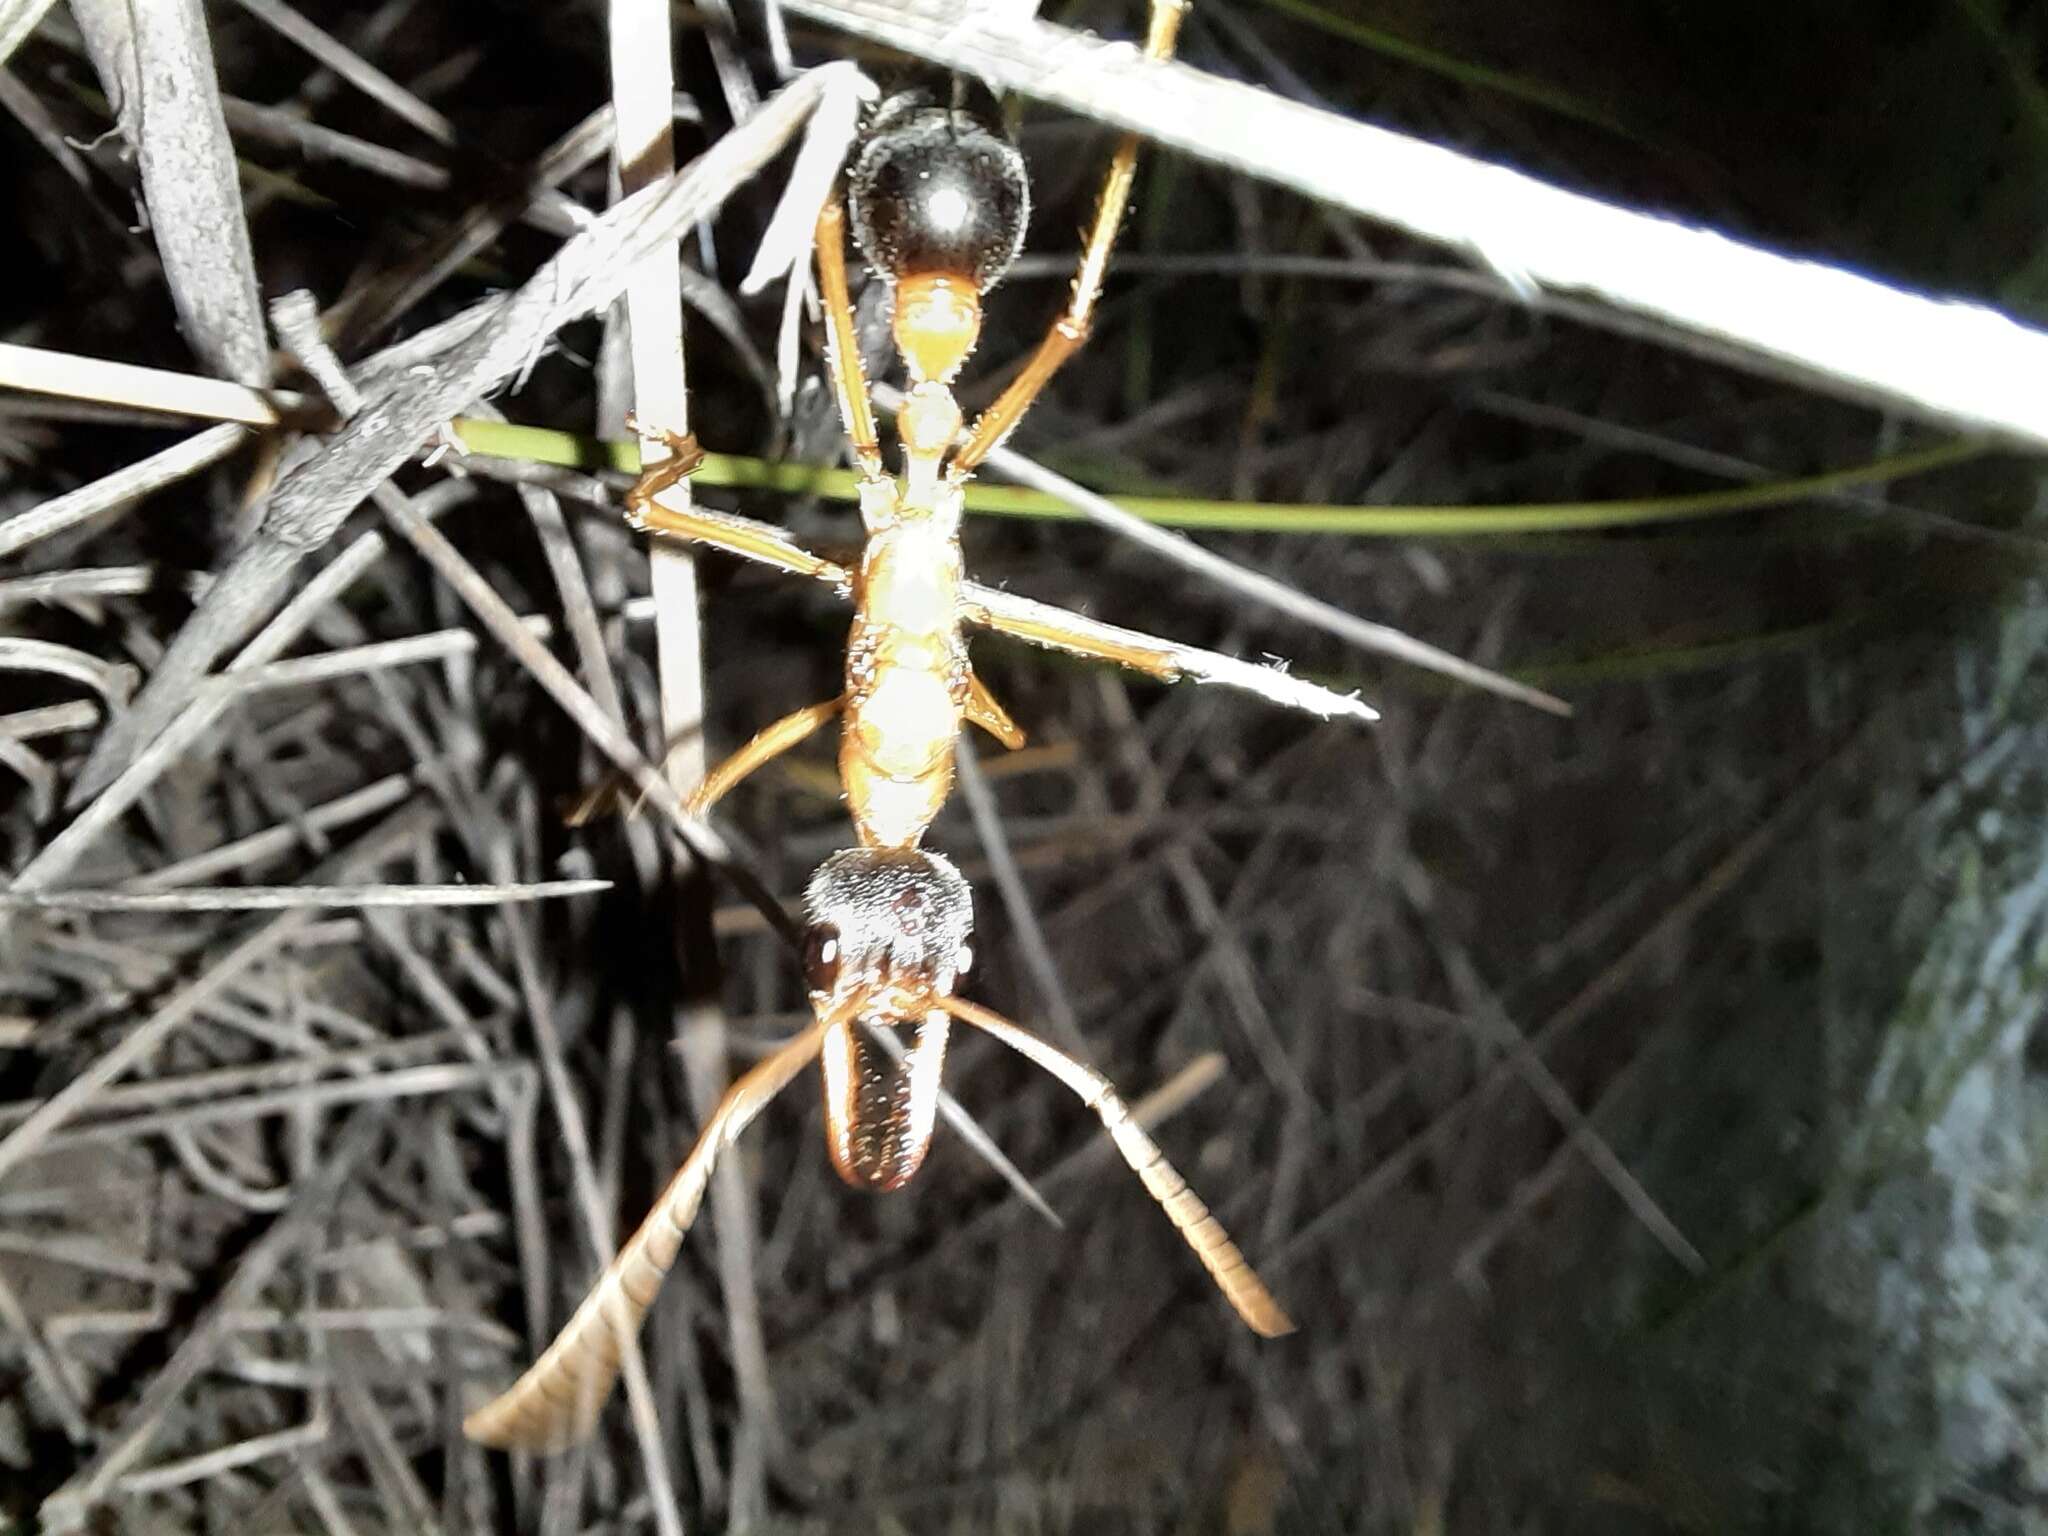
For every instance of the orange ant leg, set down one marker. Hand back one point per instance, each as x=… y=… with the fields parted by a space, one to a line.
x=1055 y=629
x=984 y=711
x=1071 y=329
x=765 y=746
x=855 y=409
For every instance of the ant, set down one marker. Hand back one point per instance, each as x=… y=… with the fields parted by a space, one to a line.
x=937 y=198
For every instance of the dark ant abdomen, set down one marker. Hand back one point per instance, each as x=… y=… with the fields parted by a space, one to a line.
x=937 y=190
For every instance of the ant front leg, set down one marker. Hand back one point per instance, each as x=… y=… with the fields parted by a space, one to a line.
x=740 y=536
x=1071 y=329
x=685 y=455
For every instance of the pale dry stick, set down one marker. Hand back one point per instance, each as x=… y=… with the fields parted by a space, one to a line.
x=1533 y=1191
x=1487 y=1021
x=77 y=377
x=324 y=1497
x=1218 y=926
x=47 y=720
x=285 y=898
x=373 y=1320
x=211 y=1464
x=76 y=585
x=18 y=18
x=1848 y=334
x=597 y=1222
x=1235 y=576
x=123 y=488
x=43 y=1367
x=382 y=302
x=1653 y=939
x=217 y=1181
x=26 y=763
x=641 y=49
x=379 y=795
x=223 y=1082
x=155 y=64
x=70 y=1507
x=353 y=68
x=988 y=827
x=113 y=681
x=389 y=1466
x=308 y=506
x=97 y=1256
x=316 y=142
x=256 y=945
x=27 y=109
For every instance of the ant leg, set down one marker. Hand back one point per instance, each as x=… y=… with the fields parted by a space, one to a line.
x=1234 y=1277
x=555 y=1404
x=1071 y=329
x=765 y=746
x=985 y=712
x=1058 y=630
x=685 y=454
x=740 y=536
x=609 y=792
x=855 y=409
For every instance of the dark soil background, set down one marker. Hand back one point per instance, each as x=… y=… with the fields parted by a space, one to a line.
x=1639 y=1112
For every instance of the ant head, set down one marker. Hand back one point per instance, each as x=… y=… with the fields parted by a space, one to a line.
x=938 y=199
x=886 y=939
x=887 y=930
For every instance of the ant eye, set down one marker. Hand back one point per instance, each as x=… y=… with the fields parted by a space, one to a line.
x=821 y=957
x=934 y=192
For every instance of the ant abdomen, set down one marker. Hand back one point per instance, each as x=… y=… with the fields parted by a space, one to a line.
x=937 y=191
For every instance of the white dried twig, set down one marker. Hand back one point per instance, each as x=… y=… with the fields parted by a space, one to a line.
x=156 y=64
x=1840 y=331
x=284 y=898
x=311 y=504
x=151 y=389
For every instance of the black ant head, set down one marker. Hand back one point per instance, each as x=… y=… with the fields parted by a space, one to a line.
x=886 y=938
x=937 y=189
x=887 y=930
